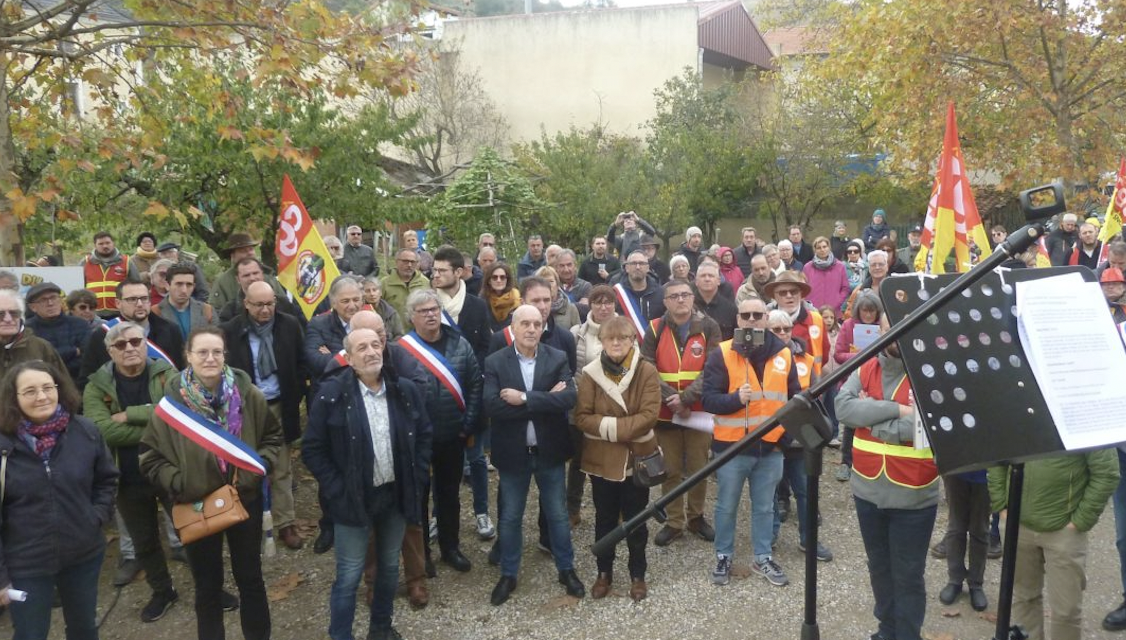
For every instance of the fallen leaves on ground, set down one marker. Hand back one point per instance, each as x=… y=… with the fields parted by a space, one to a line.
x=562 y=602
x=951 y=613
x=741 y=571
x=281 y=589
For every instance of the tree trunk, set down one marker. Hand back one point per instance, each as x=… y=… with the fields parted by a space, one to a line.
x=11 y=242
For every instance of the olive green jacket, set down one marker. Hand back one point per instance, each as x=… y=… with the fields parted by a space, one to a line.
x=100 y=402
x=187 y=471
x=1072 y=487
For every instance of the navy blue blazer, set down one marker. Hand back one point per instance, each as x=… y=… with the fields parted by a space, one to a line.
x=547 y=411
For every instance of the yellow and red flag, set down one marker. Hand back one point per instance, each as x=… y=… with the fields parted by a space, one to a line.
x=305 y=267
x=1112 y=226
x=952 y=217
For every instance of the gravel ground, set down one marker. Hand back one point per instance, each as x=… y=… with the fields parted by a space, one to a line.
x=682 y=603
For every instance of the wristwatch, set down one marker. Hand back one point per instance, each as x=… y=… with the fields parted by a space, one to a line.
x=523 y=397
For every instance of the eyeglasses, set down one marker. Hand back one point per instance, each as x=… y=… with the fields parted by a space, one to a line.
x=785 y=293
x=781 y=329
x=498 y=276
x=137 y=300
x=611 y=339
x=853 y=251
x=204 y=354
x=429 y=311
x=162 y=274
x=82 y=307
x=263 y=305
x=33 y=393
x=334 y=247
x=756 y=315
x=637 y=264
x=132 y=342
x=48 y=299
x=679 y=296
x=14 y=314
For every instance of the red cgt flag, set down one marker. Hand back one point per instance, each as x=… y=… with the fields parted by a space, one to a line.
x=305 y=267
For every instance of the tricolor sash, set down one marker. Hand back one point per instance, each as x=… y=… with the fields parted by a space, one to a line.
x=435 y=363
x=153 y=350
x=211 y=436
x=339 y=358
x=509 y=338
x=631 y=308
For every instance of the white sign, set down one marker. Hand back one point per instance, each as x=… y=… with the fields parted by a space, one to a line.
x=68 y=278
x=1079 y=375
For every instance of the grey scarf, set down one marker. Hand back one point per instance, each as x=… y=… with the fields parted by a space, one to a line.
x=267 y=365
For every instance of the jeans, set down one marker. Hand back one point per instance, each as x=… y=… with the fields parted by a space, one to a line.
x=139 y=507
x=968 y=505
x=896 y=541
x=78 y=590
x=793 y=475
x=388 y=527
x=550 y=479
x=478 y=473
x=762 y=473
x=1120 y=518
x=205 y=557
x=446 y=465
x=616 y=502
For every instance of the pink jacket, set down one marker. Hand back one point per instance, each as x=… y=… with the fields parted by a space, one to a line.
x=829 y=287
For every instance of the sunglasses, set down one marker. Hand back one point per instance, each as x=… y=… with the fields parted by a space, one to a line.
x=132 y=342
x=781 y=330
x=852 y=251
x=756 y=315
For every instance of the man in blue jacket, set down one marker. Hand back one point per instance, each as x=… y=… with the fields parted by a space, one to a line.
x=368 y=444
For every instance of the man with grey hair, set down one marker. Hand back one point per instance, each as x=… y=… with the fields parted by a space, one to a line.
x=690 y=248
x=119 y=398
x=402 y=280
x=360 y=256
x=18 y=343
x=453 y=402
x=1062 y=240
x=324 y=336
x=773 y=258
x=336 y=250
x=486 y=258
x=788 y=257
x=575 y=288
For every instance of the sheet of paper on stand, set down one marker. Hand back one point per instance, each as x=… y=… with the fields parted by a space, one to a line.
x=1080 y=374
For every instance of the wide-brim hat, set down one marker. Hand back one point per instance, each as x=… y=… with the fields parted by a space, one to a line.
x=648 y=240
x=788 y=277
x=240 y=240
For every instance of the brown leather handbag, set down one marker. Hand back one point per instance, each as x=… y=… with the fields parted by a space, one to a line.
x=221 y=509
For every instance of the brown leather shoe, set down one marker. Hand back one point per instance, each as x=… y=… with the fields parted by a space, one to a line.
x=601 y=587
x=290 y=538
x=637 y=589
x=419 y=596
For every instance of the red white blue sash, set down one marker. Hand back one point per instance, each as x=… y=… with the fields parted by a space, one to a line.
x=435 y=363
x=631 y=308
x=509 y=337
x=339 y=358
x=154 y=351
x=210 y=435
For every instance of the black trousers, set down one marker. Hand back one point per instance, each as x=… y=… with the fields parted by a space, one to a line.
x=205 y=557
x=615 y=502
x=576 y=479
x=138 y=504
x=446 y=463
x=969 y=507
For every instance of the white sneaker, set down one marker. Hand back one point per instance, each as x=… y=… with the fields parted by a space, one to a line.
x=485 y=528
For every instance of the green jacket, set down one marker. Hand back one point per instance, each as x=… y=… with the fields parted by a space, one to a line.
x=187 y=471
x=395 y=292
x=99 y=403
x=1066 y=488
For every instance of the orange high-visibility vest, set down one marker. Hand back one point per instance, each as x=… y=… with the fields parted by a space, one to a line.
x=103 y=282
x=677 y=369
x=904 y=465
x=768 y=396
x=813 y=331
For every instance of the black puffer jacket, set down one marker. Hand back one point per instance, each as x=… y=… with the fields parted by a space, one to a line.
x=448 y=419
x=53 y=512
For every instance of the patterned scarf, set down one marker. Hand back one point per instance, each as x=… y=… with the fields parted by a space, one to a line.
x=615 y=371
x=45 y=434
x=504 y=304
x=224 y=407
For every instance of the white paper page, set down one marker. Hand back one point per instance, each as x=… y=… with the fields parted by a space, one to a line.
x=864 y=335
x=698 y=420
x=1079 y=371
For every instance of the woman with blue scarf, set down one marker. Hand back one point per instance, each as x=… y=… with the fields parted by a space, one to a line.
x=214 y=393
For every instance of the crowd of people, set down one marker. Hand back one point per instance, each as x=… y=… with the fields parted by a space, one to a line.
x=175 y=404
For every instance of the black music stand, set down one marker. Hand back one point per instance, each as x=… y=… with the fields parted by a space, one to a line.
x=977 y=396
